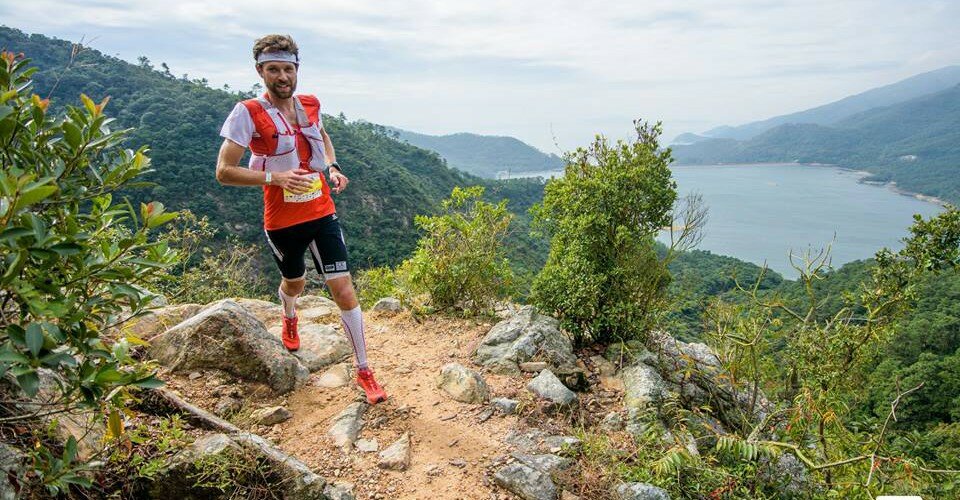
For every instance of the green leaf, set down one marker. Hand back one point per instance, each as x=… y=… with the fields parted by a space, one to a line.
x=72 y=134
x=151 y=382
x=65 y=249
x=33 y=195
x=5 y=110
x=14 y=232
x=34 y=338
x=29 y=382
x=114 y=424
x=70 y=450
x=14 y=357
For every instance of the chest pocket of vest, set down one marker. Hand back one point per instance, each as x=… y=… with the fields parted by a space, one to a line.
x=317 y=152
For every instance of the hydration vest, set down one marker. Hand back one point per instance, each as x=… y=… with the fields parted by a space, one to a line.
x=274 y=146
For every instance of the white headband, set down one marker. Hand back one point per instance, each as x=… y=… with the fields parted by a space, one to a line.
x=280 y=55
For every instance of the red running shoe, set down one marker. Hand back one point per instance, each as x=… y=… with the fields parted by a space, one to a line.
x=291 y=340
x=370 y=386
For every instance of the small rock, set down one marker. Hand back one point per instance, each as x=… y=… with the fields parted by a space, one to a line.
x=613 y=422
x=458 y=462
x=526 y=482
x=546 y=463
x=533 y=366
x=604 y=367
x=339 y=491
x=485 y=415
x=566 y=495
x=367 y=445
x=388 y=305
x=271 y=416
x=433 y=470
x=556 y=444
x=640 y=491
x=462 y=384
x=504 y=405
x=346 y=426
x=227 y=406
x=397 y=456
x=335 y=376
x=548 y=386
x=194 y=375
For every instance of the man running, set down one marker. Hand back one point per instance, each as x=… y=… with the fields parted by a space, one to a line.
x=290 y=150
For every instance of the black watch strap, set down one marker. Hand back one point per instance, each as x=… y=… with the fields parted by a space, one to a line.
x=336 y=166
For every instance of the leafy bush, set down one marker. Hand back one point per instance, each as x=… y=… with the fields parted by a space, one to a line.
x=459 y=263
x=374 y=284
x=603 y=278
x=74 y=261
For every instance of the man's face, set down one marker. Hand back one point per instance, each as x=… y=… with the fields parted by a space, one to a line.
x=280 y=78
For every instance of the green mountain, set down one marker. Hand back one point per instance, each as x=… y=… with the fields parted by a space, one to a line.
x=180 y=119
x=834 y=112
x=914 y=143
x=484 y=155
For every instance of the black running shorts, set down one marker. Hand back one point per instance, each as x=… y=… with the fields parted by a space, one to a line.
x=324 y=239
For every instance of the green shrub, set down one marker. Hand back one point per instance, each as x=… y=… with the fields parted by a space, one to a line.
x=374 y=284
x=459 y=263
x=74 y=260
x=603 y=278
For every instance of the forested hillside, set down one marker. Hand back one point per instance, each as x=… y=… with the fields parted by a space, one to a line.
x=484 y=155
x=180 y=119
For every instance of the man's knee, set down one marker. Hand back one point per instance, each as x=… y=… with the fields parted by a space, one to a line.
x=341 y=287
x=293 y=286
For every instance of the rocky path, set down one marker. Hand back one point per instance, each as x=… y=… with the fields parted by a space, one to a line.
x=451 y=442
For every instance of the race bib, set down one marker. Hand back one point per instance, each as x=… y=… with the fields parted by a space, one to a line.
x=316 y=191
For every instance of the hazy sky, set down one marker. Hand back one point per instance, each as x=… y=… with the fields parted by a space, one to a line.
x=545 y=72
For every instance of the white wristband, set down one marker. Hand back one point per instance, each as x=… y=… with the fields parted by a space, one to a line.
x=269 y=177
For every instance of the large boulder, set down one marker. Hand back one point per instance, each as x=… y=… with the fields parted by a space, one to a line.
x=463 y=384
x=346 y=426
x=321 y=346
x=526 y=336
x=526 y=482
x=154 y=322
x=227 y=337
x=179 y=477
x=643 y=386
x=640 y=491
x=548 y=386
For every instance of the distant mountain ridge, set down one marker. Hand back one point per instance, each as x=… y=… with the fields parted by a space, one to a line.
x=829 y=114
x=915 y=143
x=484 y=155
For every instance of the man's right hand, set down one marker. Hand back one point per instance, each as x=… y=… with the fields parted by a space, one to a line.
x=292 y=181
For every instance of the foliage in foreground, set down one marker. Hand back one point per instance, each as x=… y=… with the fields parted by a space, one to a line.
x=603 y=278
x=74 y=263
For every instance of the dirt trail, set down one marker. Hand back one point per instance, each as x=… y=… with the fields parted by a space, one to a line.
x=451 y=442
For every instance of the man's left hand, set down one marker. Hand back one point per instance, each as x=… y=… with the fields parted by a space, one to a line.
x=338 y=180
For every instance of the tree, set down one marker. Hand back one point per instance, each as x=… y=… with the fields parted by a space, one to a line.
x=74 y=262
x=460 y=263
x=603 y=278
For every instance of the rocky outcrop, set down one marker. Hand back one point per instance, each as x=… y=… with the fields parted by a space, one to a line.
x=463 y=384
x=548 y=386
x=227 y=337
x=526 y=336
x=397 y=455
x=346 y=426
x=526 y=482
x=157 y=321
x=640 y=491
x=387 y=305
x=692 y=373
x=321 y=346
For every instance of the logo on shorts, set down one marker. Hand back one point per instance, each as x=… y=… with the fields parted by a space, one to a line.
x=341 y=265
x=328 y=268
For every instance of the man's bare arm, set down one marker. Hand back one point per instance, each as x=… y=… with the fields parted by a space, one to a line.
x=230 y=173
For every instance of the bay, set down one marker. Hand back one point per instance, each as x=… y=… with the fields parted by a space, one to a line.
x=764 y=213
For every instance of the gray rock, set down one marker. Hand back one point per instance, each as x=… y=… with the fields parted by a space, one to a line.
x=397 y=455
x=526 y=482
x=177 y=478
x=339 y=491
x=227 y=337
x=533 y=366
x=388 y=305
x=157 y=321
x=522 y=337
x=640 y=491
x=463 y=384
x=565 y=444
x=546 y=463
x=227 y=405
x=318 y=309
x=643 y=386
x=367 y=445
x=612 y=422
x=548 y=386
x=271 y=416
x=13 y=464
x=321 y=346
x=346 y=426
x=604 y=367
x=335 y=376
x=504 y=405
x=268 y=313
x=566 y=495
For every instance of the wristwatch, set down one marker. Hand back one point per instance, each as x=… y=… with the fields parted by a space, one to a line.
x=269 y=178
x=336 y=166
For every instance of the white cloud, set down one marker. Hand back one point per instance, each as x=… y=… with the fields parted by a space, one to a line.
x=537 y=68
